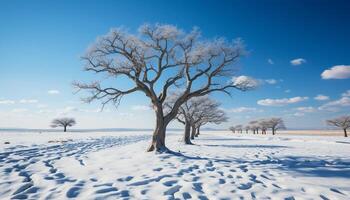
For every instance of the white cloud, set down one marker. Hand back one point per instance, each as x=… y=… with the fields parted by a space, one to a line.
x=297 y=61
x=308 y=109
x=42 y=106
x=141 y=108
x=337 y=72
x=270 y=61
x=346 y=94
x=19 y=110
x=298 y=114
x=6 y=101
x=53 y=92
x=245 y=82
x=271 y=81
x=44 y=111
x=321 y=97
x=29 y=101
x=336 y=105
x=67 y=110
x=281 y=102
x=287 y=91
x=244 y=109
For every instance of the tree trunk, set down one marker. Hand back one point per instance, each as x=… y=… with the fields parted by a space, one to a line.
x=65 y=129
x=158 y=137
x=197 y=132
x=345 y=133
x=273 y=131
x=187 y=133
x=193 y=132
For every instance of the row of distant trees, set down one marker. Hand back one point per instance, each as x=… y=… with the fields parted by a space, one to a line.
x=261 y=125
x=275 y=124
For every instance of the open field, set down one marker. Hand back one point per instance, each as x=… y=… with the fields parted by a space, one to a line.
x=220 y=165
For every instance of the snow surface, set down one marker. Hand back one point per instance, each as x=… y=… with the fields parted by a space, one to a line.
x=220 y=165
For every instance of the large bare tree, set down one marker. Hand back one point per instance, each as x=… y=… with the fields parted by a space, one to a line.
x=158 y=59
x=63 y=122
x=341 y=122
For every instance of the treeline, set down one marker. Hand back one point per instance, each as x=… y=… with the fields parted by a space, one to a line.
x=260 y=126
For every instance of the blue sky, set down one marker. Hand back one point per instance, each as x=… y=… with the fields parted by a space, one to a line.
x=41 y=43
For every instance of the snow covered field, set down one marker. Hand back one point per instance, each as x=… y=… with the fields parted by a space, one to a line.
x=221 y=165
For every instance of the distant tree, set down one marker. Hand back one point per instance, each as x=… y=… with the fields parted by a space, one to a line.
x=233 y=129
x=63 y=122
x=264 y=124
x=254 y=126
x=239 y=128
x=196 y=112
x=275 y=124
x=161 y=58
x=341 y=122
x=247 y=128
x=214 y=115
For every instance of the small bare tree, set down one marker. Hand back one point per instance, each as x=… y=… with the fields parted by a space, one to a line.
x=196 y=112
x=264 y=124
x=214 y=115
x=341 y=122
x=239 y=128
x=233 y=129
x=158 y=59
x=63 y=122
x=254 y=126
x=275 y=124
x=247 y=128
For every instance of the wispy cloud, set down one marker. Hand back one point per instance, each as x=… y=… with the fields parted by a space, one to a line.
x=281 y=102
x=297 y=61
x=141 y=108
x=346 y=94
x=321 y=97
x=271 y=81
x=308 y=109
x=19 y=110
x=53 y=92
x=244 y=110
x=6 y=101
x=337 y=105
x=28 y=101
x=270 y=61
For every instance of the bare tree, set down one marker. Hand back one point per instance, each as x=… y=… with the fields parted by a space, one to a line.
x=196 y=112
x=341 y=122
x=239 y=128
x=247 y=128
x=158 y=59
x=189 y=112
x=214 y=115
x=63 y=122
x=275 y=124
x=233 y=129
x=264 y=124
x=254 y=125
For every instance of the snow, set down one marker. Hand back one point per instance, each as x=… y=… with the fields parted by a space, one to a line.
x=221 y=165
